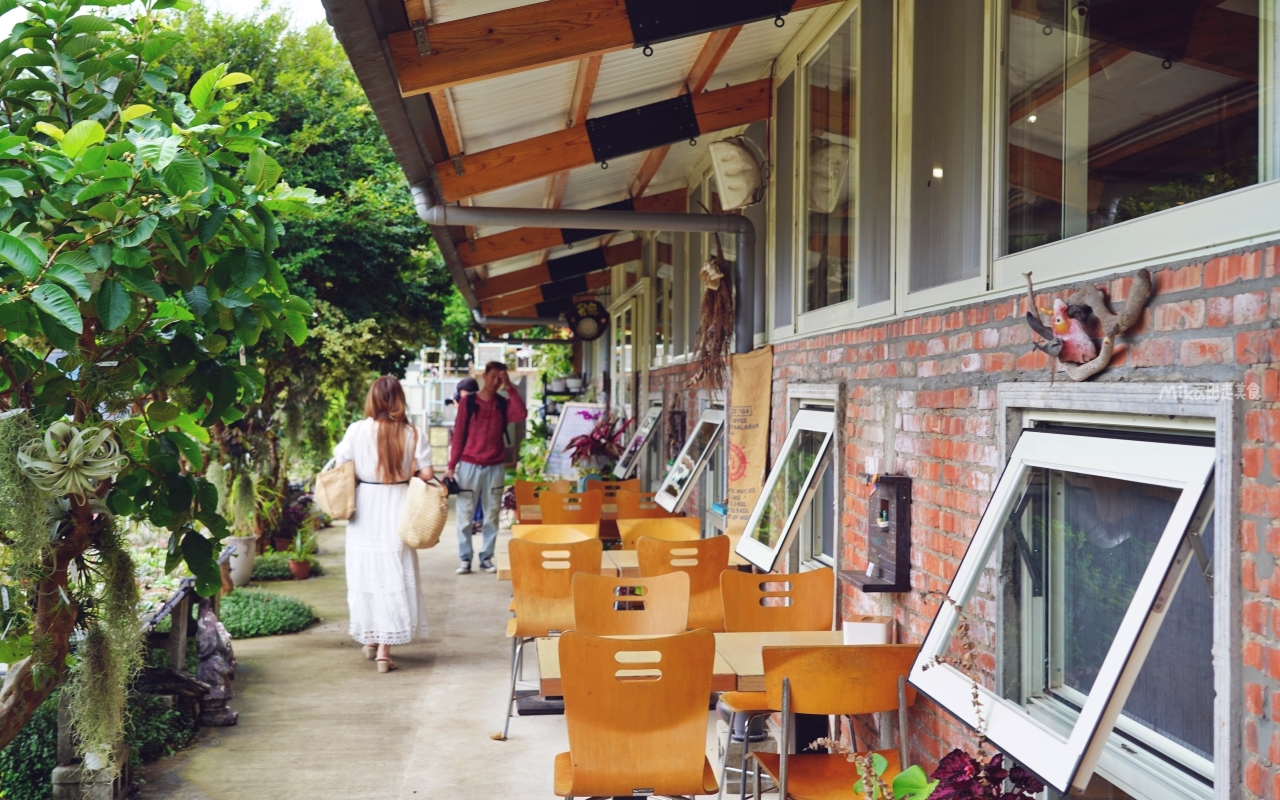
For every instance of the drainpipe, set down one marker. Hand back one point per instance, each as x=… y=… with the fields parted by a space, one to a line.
x=739 y=226
x=531 y=322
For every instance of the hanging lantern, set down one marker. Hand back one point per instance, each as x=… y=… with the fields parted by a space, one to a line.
x=588 y=320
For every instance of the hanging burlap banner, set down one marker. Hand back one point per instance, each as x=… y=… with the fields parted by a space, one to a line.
x=749 y=411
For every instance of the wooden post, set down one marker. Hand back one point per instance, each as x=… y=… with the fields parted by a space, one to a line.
x=181 y=622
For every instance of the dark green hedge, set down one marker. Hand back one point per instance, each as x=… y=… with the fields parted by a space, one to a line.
x=247 y=613
x=26 y=765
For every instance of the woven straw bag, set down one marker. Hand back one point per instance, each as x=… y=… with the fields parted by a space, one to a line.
x=335 y=490
x=425 y=512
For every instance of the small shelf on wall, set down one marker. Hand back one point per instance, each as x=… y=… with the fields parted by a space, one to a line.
x=888 y=538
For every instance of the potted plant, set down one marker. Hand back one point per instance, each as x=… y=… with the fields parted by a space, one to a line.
x=596 y=452
x=299 y=553
x=293 y=518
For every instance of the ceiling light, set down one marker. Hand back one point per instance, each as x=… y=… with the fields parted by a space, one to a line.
x=937 y=172
x=1031 y=118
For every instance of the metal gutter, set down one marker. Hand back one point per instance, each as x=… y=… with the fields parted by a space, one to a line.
x=407 y=122
x=739 y=226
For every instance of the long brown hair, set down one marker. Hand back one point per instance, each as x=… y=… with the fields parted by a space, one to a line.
x=385 y=404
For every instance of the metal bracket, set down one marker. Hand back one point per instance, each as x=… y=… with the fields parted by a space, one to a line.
x=458 y=169
x=1195 y=535
x=419 y=27
x=1014 y=526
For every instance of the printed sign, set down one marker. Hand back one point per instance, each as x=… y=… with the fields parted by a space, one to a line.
x=749 y=412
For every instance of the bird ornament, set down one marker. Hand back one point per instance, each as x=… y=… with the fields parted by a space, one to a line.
x=1065 y=336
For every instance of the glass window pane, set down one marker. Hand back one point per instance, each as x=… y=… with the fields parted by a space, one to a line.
x=677 y=296
x=663 y=267
x=832 y=170
x=784 y=176
x=1126 y=109
x=693 y=286
x=875 y=162
x=687 y=462
x=792 y=473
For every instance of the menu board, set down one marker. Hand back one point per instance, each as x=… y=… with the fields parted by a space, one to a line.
x=627 y=464
x=576 y=419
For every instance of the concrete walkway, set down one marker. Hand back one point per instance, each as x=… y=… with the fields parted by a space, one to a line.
x=317 y=721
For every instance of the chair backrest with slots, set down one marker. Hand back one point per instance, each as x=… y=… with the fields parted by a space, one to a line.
x=635 y=504
x=571 y=508
x=555 y=533
x=703 y=561
x=542 y=583
x=527 y=494
x=672 y=529
x=609 y=510
x=604 y=606
x=799 y=601
x=839 y=679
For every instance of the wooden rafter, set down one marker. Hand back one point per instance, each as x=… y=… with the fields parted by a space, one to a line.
x=584 y=86
x=515 y=40
x=591 y=282
x=540 y=274
x=550 y=153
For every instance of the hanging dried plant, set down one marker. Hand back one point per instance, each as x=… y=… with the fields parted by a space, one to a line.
x=715 y=331
x=69 y=460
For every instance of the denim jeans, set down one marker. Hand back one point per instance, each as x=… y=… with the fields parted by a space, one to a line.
x=483 y=486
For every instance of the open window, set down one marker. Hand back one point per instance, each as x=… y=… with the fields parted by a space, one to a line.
x=789 y=490
x=691 y=461
x=631 y=456
x=1091 y=534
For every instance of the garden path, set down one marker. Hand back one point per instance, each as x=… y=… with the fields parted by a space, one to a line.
x=317 y=721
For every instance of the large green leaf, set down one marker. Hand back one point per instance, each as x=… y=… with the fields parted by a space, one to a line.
x=235 y=298
x=78 y=259
x=184 y=174
x=54 y=301
x=208 y=227
x=139 y=234
x=198 y=299
x=159 y=152
x=114 y=304
x=17 y=255
x=12 y=188
x=202 y=92
x=189 y=448
x=87 y=23
x=70 y=277
x=84 y=133
x=296 y=326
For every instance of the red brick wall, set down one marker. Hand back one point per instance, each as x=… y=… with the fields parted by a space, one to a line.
x=921 y=392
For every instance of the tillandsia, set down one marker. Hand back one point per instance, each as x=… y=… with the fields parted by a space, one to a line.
x=70 y=460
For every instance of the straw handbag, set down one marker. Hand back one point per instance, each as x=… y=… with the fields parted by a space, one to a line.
x=425 y=512
x=335 y=490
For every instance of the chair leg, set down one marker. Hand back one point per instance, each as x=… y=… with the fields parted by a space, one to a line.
x=755 y=779
x=517 y=653
x=724 y=762
x=746 y=750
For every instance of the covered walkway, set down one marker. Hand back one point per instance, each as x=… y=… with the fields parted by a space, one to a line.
x=316 y=721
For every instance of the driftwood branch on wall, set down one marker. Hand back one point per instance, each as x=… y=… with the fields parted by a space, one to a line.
x=1082 y=307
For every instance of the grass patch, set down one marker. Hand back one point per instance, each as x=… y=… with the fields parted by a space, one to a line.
x=247 y=613
x=272 y=566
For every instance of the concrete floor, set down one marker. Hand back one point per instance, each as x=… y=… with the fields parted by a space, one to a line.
x=317 y=721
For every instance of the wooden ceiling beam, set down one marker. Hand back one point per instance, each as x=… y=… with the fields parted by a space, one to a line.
x=560 y=151
x=531 y=296
x=584 y=86
x=517 y=39
x=522 y=241
x=542 y=273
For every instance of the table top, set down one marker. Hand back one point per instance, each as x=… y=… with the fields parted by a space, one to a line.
x=607 y=566
x=739 y=663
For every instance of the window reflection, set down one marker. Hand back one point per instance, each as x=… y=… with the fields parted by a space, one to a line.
x=687 y=462
x=1122 y=108
x=786 y=487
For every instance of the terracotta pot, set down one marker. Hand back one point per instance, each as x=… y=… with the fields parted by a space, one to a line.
x=301 y=569
x=281 y=543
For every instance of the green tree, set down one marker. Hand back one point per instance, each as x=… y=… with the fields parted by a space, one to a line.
x=137 y=287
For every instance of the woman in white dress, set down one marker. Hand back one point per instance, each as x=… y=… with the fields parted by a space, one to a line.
x=383 y=593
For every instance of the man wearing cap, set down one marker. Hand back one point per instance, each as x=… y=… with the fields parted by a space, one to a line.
x=476 y=457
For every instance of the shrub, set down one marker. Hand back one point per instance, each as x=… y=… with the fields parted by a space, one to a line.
x=154 y=730
x=273 y=566
x=247 y=613
x=26 y=765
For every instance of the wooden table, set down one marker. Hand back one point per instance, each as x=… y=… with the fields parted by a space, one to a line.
x=607 y=566
x=627 y=561
x=739 y=662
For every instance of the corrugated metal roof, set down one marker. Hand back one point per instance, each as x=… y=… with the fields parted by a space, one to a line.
x=514 y=107
x=755 y=48
x=592 y=186
x=447 y=10
x=629 y=79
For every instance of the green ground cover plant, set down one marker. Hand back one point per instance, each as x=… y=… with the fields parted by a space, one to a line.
x=248 y=613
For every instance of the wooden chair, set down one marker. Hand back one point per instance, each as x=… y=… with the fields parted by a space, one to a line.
x=571 y=508
x=833 y=680
x=639 y=505
x=542 y=589
x=527 y=494
x=636 y=713
x=800 y=601
x=630 y=606
x=551 y=534
x=674 y=529
x=703 y=561
x=611 y=488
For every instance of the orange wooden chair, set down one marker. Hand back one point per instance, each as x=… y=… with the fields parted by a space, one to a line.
x=542 y=589
x=801 y=601
x=833 y=680
x=527 y=494
x=609 y=509
x=550 y=534
x=636 y=713
x=630 y=606
x=703 y=561
x=634 y=504
x=571 y=508
x=674 y=529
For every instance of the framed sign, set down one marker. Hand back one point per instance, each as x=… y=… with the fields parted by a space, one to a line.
x=789 y=488
x=576 y=419
x=691 y=461
x=627 y=464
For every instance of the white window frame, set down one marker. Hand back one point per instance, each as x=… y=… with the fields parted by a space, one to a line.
x=762 y=556
x=819 y=396
x=670 y=496
x=1070 y=761
x=631 y=456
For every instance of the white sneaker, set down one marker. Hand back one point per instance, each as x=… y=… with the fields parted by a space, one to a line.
x=464 y=569
x=487 y=565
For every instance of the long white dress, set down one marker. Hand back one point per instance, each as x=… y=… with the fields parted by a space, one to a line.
x=383 y=592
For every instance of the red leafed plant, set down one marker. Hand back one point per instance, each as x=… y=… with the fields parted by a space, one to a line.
x=603 y=444
x=960 y=776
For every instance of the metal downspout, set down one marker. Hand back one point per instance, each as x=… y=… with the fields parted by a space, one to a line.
x=739 y=226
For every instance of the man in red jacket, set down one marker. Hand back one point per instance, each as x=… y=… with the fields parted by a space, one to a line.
x=476 y=457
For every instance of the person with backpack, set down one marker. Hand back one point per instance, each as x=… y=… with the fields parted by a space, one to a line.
x=476 y=459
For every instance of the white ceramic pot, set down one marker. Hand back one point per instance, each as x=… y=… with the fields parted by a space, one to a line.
x=573 y=384
x=558 y=384
x=242 y=559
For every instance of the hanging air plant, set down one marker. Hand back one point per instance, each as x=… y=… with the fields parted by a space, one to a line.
x=70 y=460
x=715 y=333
